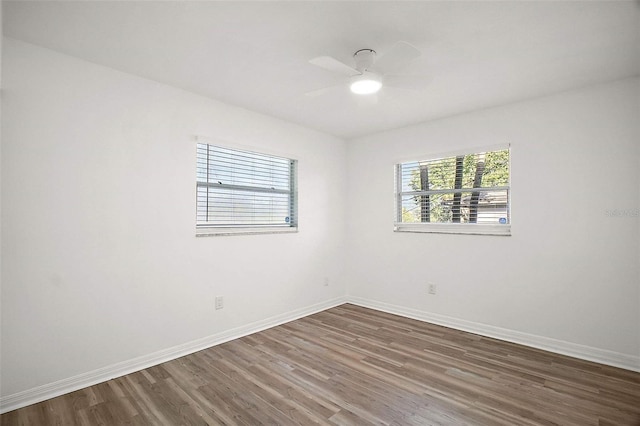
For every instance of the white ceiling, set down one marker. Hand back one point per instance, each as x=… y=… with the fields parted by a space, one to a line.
x=255 y=54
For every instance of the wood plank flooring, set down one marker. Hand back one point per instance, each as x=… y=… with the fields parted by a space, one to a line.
x=355 y=366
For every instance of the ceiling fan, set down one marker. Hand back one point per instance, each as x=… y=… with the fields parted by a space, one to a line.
x=370 y=72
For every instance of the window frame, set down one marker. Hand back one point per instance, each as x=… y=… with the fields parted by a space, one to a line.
x=209 y=229
x=448 y=227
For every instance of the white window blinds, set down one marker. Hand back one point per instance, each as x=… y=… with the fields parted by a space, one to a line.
x=468 y=193
x=241 y=189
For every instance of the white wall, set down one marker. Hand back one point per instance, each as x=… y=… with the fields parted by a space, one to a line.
x=100 y=264
x=569 y=272
x=100 y=259
x=1 y=89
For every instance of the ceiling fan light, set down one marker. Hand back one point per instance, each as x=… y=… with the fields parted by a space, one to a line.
x=365 y=84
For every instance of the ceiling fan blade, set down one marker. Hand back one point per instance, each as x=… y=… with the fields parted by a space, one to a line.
x=322 y=91
x=407 y=81
x=397 y=57
x=332 y=64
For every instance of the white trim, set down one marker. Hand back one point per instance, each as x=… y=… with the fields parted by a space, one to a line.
x=221 y=232
x=588 y=353
x=64 y=386
x=240 y=146
x=454 y=228
x=457 y=152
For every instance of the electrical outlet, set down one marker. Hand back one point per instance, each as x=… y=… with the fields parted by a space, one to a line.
x=219 y=302
x=432 y=288
x=326 y=281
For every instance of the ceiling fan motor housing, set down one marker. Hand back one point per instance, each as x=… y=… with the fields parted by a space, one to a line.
x=364 y=59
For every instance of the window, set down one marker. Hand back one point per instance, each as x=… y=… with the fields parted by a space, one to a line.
x=467 y=193
x=244 y=192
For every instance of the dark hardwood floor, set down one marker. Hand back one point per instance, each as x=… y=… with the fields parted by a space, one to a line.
x=355 y=366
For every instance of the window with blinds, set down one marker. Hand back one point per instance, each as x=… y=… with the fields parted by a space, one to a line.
x=467 y=193
x=240 y=191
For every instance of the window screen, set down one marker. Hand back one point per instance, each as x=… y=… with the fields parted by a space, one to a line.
x=468 y=193
x=241 y=189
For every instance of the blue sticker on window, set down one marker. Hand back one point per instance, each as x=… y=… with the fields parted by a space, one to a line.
x=287 y=220
x=503 y=220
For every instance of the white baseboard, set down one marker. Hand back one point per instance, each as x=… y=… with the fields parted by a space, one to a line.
x=61 y=387
x=588 y=353
x=64 y=386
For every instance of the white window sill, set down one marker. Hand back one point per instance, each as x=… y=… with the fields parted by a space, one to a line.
x=222 y=232
x=457 y=228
